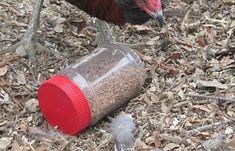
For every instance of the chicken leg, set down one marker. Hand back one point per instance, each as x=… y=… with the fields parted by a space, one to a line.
x=29 y=43
x=104 y=35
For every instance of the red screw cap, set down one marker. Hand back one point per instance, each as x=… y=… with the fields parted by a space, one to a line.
x=64 y=105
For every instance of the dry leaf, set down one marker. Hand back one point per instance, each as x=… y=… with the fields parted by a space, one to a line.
x=231 y=144
x=229 y=130
x=204 y=135
x=198 y=74
x=166 y=107
x=42 y=148
x=157 y=141
x=181 y=95
x=22 y=127
x=154 y=98
x=3 y=70
x=141 y=145
x=174 y=56
x=230 y=113
x=152 y=41
x=201 y=40
x=21 y=79
x=210 y=32
x=142 y=28
x=16 y=147
x=171 y=146
x=215 y=83
x=32 y=105
x=59 y=28
x=170 y=69
x=202 y=107
x=5 y=142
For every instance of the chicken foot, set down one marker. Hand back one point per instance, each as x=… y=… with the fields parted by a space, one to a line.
x=29 y=44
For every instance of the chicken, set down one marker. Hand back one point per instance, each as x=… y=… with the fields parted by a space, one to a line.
x=120 y=12
x=117 y=12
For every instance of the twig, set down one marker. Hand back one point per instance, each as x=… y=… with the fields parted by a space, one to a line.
x=180 y=104
x=215 y=20
x=211 y=97
x=173 y=139
x=207 y=127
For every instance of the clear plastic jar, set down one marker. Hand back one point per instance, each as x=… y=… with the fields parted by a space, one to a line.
x=84 y=92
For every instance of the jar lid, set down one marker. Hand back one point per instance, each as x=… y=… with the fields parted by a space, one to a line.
x=64 y=105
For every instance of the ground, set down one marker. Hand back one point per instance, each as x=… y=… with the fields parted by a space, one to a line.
x=186 y=104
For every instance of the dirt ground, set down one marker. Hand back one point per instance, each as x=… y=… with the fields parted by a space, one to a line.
x=188 y=103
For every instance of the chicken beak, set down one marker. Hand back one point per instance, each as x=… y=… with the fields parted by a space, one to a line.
x=158 y=15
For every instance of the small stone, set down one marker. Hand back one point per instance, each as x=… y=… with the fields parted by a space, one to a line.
x=51 y=70
x=32 y=105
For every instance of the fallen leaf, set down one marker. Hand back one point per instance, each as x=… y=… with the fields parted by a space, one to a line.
x=152 y=41
x=59 y=28
x=181 y=95
x=6 y=97
x=204 y=135
x=215 y=83
x=16 y=147
x=231 y=144
x=22 y=127
x=32 y=105
x=230 y=113
x=157 y=141
x=42 y=148
x=166 y=107
x=3 y=70
x=229 y=130
x=171 y=146
x=210 y=32
x=170 y=69
x=141 y=145
x=202 y=107
x=201 y=40
x=21 y=79
x=198 y=74
x=5 y=142
x=154 y=98
x=142 y=28
x=174 y=56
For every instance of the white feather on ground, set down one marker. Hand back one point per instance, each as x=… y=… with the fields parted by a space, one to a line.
x=122 y=128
